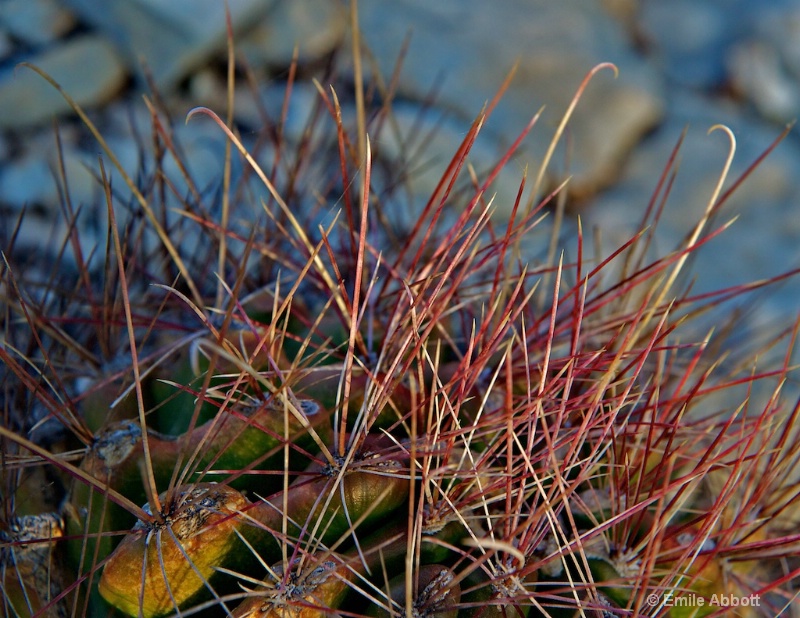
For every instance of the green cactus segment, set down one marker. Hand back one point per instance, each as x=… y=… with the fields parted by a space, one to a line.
x=321 y=384
x=325 y=507
x=244 y=441
x=436 y=543
x=30 y=576
x=116 y=459
x=436 y=593
x=161 y=567
x=251 y=439
x=492 y=596
x=174 y=391
x=609 y=580
x=203 y=527
x=101 y=406
x=176 y=386
x=319 y=584
x=309 y=592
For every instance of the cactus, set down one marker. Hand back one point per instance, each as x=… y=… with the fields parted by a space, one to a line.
x=356 y=420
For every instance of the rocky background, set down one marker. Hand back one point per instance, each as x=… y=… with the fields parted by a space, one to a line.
x=683 y=64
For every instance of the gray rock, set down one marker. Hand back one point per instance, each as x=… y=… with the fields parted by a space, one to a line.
x=206 y=87
x=759 y=75
x=86 y=67
x=200 y=144
x=303 y=99
x=765 y=65
x=32 y=181
x=170 y=38
x=37 y=22
x=46 y=236
x=6 y=45
x=23 y=182
x=462 y=51
x=689 y=39
x=765 y=206
x=314 y=26
x=26 y=182
x=623 y=10
x=250 y=106
x=422 y=142
x=202 y=152
x=784 y=30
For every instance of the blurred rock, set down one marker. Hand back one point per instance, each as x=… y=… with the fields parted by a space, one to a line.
x=6 y=45
x=760 y=243
x=689 y=40
x=765 y=65
x=36 y=22
x=314 y=26
x=25 y=182
x=31 y=181
x=252 y=109
x=418 y=145
x=678 y=62
x=170 y=38
x=759 y=75
x=783 y=29
x=623 y=10
x=86 y=67
x=456 y=51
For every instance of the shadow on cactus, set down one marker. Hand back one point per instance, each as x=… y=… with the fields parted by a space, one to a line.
x=277 y=403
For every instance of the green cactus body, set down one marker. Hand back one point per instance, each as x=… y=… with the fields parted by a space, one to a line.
x=232 y=442
x=253 y=440
x=320 y=384
x=115 y=459
x=322 y=582
x=175 y=384
x=437 y=594
x=30 y=575
x=368 y=493
x=174 y=389
x=310 y=593
x=319 y=585
x=609 y=580
x=149 y=571
x=485 y=596
x=101 y=406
